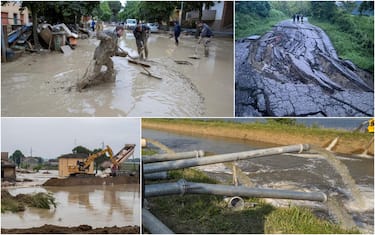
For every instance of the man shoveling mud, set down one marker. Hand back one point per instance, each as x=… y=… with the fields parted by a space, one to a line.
x=205 y=35
x=141 y=34
x=102 y=56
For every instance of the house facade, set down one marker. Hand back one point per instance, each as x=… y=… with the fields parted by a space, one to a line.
x=70 y=160
x=11 y=14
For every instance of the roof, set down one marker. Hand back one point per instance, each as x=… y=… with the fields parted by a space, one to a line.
x=74 y=155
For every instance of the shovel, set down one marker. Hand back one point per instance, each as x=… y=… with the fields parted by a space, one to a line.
x=195 y=56
x=149 y=74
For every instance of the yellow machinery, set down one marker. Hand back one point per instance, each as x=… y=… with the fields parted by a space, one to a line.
x=82 y=167
x=370 y=127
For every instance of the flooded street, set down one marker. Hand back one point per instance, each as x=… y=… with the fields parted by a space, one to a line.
x=98 y=206
x=351 y=203
x=43 y=84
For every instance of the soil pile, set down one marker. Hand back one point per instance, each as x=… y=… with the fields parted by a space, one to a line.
x=92 y=180
x=294 y=70
x=53 y=229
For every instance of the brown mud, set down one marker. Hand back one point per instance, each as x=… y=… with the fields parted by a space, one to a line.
x=344 y=145
x=53 y=229
x=92 y=180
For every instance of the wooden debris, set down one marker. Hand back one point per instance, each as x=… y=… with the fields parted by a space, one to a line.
x=139 y=63
x=149 y=74
x=183 y=62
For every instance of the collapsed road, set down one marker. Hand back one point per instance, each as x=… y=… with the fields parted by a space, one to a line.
x=294 y=70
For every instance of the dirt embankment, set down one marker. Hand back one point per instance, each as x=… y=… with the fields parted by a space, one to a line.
x=344 y=145
x=53 y=229
x=92 y=180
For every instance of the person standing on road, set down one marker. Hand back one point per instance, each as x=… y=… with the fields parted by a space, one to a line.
x=205 y=36
x=141 y=34
x=177 y=31
x=102 y=57
x=93 y=25
x=301 y=19
x=297 y=18
x=294 y=18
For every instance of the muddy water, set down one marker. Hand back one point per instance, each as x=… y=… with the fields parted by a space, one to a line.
x=310 y=172
x=98 y=206
x=40 y=85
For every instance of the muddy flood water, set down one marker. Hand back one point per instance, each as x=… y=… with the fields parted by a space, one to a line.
x=43 y=84
x=348 y=180
x=97 y=206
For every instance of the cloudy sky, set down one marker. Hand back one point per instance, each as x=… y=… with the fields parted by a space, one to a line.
x=52 y=137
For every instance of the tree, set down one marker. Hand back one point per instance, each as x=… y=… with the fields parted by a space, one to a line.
x=115 y=7
x=131 y=10
x=81 y=149
x=323 y=10
x=17 y=157
x=156 y=11
x=104 y=12
x=366 y=6
x=260 y=8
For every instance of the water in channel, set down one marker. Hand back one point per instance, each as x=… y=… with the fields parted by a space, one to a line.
x=347 y=180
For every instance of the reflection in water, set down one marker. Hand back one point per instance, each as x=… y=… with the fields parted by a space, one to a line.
x=98 y=206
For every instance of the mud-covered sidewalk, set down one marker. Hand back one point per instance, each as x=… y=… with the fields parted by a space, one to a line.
x=44 y=84
x=53 y=229
x=294 y=70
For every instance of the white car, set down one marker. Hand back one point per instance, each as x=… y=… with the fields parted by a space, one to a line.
x=154 y=27
x=130 y=23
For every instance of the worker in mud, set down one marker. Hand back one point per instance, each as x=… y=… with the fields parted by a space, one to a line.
x=205 y=36
x=102 y=57
x=141 y=34
x=177 y=31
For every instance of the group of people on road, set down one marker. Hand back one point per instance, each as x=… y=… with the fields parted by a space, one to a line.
x=298 y=17
x=108 y=47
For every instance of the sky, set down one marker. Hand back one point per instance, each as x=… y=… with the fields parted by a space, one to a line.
x=52 y=137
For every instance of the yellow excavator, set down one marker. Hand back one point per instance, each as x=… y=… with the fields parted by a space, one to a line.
x=370 y=126
x=82 y=167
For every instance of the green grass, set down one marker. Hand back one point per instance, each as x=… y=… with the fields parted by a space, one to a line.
x=356 y=45
x=271 y=125
x=210 y=214
x=148 y=152
x=250 y=24
x=300 y=220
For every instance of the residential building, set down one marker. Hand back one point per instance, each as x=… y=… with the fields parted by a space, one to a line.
x=11 y=14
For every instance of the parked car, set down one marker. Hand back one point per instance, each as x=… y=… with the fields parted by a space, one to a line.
x=154 y=27
x=130 y=24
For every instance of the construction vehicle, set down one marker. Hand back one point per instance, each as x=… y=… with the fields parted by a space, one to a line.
x=370 y=126
x=82 y=167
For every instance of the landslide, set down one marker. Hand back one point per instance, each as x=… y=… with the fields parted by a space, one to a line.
x=53 y=229
x=294 y=70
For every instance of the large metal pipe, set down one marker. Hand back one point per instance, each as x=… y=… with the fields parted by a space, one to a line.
x=153 y=224
x=172 y=156
x=162 y=175
x=179 y=164
x=181 y=187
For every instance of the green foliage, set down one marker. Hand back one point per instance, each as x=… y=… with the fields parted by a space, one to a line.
x=191 y=175
x=290 y=8
x=131 y=10
x=260 y=8
x=365 y=6
x=81 y=149
x=323 y=10
x=300 y=220
x=283 y=121
x=250 y=24
x=352 y=36
x=17 y=157
x=156 y=11
x=37 y=168
x=115 y=7
x=104 y=12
